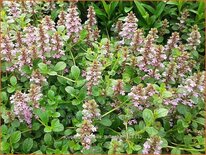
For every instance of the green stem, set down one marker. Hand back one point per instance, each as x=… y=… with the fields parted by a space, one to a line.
x=83 y=49
x=186 y=149
x=114 y=109
x=71 y=127
x=42 y=122
x=113 y=130
x=141 y=131
x=72 y=57
x=66 y=78
x=26 y=130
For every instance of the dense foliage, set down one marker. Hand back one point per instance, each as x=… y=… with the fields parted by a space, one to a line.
x=102 y=77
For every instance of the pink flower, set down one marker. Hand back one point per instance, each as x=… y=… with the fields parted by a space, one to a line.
x=129 y=27
x=21 y=107
x=73 y=23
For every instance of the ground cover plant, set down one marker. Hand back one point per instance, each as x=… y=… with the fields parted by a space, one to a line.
x=102 y=77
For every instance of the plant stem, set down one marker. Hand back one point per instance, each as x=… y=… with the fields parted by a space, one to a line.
x=113 y=130
x=41 y=122
x=26 y=130
x=185 y=149
x=72 y=57
x=114 y=109
x=66 y=78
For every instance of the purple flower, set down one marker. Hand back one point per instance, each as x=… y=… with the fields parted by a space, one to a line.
x=129 y=27
x=37 y=78
x=35 y=95
x=85 y=134
x=21 y=108
x=91 y=110
x=194 y=38
x=152 y=146
x=93 y=76
x=118 y=88
x=73 y=23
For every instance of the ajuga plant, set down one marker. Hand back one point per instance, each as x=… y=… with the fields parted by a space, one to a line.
x=70 y=87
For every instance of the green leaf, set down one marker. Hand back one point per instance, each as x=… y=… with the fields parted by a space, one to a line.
x=162 y=112
x=26 y=69
x=48 y=129
x=60 y=66
x=4 y=146
x=128 y=9
x=83 y=34
x=200 y=120
x=48 y=139
x=93 y=150
x=166 y=94
x=13 y=80
x=10 y=89
x=106 y=122
x=106 y=7
x=176 y=151
x=43 y=67
x=43 y=116
x=68 y=132
x=137 y=147
x=27 y=145
x=52 y=73
x=142 y=11
x=15 y=137
x=60 y=28
x=56 y=125
x=70 y=90
x=148 y=117
x=75 y=71
x=4 y=96
x=151 y=131
x=159 y=9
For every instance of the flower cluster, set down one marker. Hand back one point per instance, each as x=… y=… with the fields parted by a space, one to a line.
x=91 y=110
x=62 y=18
x=32 y=43
x=35 y=95
x=57 y=45
x=170 y=73
x=194 y=38
x=165 y=25
x=118 y=26
x=140 y=95
x=129 y=27
x=21 y=108
x=180 y=65
x=193 y=86
x=182 y=19
x=85 y=133
x=73 y=23
x=172 y=43
x=37 y=78
x=93 y=76
x=14 y=10
x=137 y=40
x=118 y=88
x=152 y=146
x=86 y=130
x=116 y=146
x=91 y=26
x=153 y=32
x=8 y=51
x=152 y=56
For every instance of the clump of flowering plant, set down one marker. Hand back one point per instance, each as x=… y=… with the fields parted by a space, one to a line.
x=70 y=85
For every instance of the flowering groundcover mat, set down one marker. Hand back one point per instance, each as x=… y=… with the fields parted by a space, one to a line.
x=102 y=77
